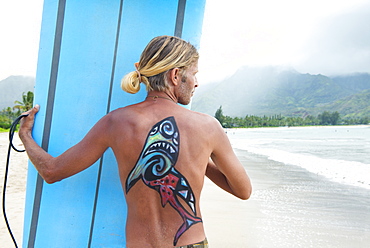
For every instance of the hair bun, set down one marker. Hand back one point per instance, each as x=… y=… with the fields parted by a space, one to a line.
x=131 y=82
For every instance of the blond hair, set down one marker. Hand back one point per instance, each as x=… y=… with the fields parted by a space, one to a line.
x=162 y=54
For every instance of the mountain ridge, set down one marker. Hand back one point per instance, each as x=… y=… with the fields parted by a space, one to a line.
x=275 y=90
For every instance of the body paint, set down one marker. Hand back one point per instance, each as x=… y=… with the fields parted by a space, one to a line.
x=156 y=168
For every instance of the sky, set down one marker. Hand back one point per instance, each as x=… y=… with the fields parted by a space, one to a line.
x=327 y=37
x=20 y=23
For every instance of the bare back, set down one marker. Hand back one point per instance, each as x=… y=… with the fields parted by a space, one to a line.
x=160 y=207
x=163 y=153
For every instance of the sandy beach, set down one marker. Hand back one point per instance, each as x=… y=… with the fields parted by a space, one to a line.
x=15 y=192
x=289 y=207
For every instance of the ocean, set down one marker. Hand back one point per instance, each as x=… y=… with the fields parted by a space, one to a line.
x=339 y=153
x=311 y=186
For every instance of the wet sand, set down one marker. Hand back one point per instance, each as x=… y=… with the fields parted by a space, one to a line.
x=289 y=207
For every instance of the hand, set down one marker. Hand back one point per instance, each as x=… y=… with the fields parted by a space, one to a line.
x=26 y=123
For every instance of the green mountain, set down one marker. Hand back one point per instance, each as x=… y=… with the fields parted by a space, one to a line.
x=353 y=83
x=12 y=88
x=275 y=90
x=356 y=105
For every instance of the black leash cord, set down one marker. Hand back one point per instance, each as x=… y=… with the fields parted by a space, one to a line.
x=13 y=127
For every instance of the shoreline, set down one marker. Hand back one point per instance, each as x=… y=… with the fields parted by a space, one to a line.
x=313 y=126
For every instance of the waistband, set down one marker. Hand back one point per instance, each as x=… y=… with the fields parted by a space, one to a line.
x=203 y=244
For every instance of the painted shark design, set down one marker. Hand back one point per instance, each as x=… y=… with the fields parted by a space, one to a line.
x=156 y=168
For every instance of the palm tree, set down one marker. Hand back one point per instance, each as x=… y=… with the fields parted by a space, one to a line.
x=26 y=103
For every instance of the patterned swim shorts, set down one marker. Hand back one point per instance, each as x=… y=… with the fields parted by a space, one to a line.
x=203 y=244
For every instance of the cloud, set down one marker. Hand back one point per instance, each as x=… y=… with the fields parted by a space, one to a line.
x=340 y=45
x=312 y=36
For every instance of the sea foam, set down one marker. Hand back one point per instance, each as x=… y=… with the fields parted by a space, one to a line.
x=341 y=171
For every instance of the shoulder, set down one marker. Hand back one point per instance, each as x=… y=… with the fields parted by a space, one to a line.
x=205 y=118
x=123 y=113
x=119 y=118
x=203 y=121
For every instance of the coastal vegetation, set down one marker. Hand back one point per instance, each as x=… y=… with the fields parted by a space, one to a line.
x=9 y=114
x=12 y=87
x=324 y=118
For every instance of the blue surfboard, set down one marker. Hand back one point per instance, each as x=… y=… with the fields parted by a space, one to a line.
x=86 y=47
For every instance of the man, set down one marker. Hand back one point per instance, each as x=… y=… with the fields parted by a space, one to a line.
x=163 y=150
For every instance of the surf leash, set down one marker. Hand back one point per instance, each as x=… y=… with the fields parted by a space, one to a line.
x=12 y=130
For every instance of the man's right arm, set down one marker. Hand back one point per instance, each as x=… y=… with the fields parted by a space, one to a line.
x=72 y=161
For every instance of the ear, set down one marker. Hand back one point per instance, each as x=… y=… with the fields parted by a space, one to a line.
x=174 y=76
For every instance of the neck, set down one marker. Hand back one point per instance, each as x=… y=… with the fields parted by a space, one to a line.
x=161 y=95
